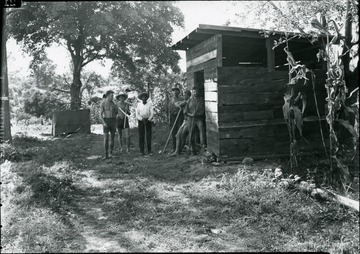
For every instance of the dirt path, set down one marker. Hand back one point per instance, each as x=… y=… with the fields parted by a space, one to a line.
x=136 y=204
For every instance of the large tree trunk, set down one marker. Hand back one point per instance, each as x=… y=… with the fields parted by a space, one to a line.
x=75 y=90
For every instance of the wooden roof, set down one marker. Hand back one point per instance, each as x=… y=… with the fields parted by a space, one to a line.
x=204 y=32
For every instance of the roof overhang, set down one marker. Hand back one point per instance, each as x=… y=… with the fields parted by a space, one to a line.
x=204 y=32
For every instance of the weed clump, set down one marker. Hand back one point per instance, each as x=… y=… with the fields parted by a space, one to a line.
x=22 y=150
x=284 y=215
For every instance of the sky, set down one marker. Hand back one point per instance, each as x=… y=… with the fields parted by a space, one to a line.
x=195 y=13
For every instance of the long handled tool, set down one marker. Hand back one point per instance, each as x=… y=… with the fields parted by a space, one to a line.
x=167 y=141
x=124 y=121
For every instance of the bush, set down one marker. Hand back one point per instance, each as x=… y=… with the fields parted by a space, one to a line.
x=95 y=111
x=23 y=148
x=20 y=116
x=8 y=152
x=43 y=104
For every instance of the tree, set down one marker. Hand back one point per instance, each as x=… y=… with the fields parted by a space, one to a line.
x=44 y=73
x=121 y=31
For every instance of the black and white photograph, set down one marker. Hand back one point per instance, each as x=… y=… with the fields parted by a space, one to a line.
x=180 y=126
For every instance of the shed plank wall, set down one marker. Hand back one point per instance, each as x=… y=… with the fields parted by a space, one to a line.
x=202 y=48
x=250 y=114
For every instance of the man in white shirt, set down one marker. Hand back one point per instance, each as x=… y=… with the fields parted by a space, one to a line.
x=144 y=115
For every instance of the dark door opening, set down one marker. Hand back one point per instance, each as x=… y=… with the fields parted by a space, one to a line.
x=199 y=82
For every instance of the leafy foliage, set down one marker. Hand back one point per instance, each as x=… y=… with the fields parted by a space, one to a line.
x=43 y=104
x=161 y=94
x=136 y=35
x=44 y=73
x=292 y=15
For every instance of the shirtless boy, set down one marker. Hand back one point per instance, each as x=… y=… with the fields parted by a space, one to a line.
x=108 y=113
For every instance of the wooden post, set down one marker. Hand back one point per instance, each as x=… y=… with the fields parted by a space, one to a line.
x=270 y=54
x=219 y=42
x=5 y=105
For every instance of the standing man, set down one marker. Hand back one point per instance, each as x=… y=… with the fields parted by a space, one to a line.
x=122 y=121
x=108 y=112
x=183 y=131
x=174 y=112
x=195 y=111
x=144 y=115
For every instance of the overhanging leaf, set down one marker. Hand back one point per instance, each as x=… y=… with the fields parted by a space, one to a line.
x=348 y=126
x=298 y=119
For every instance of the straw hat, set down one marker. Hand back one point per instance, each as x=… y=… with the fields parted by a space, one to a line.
x=122 y=95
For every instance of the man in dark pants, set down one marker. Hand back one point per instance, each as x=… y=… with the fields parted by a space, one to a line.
x=144 y=114
x=108 y=113
x=183 y=131
x=174 y=112
x=195 y=111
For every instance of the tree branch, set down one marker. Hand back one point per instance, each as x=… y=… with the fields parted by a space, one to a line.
x=60 y=90
x=87 y=53
x=92 y=59
x=67 y=82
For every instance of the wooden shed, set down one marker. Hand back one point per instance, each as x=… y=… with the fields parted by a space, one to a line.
x=71 y=121
x=244 y=81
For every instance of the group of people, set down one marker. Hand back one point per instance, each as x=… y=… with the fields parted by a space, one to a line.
x=186 y=116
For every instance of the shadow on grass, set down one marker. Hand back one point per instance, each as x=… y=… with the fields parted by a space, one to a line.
x=130 y=196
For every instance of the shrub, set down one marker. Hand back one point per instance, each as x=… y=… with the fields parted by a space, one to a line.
x=22 y=116
x=95 y=111
x=8 y=152
x=43 y=104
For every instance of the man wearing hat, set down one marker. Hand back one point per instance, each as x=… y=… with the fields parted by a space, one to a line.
x=174 y=112
x=122 y=120
x=195 y=111
x=144 y=115
x=108 y=113
x=183 y=131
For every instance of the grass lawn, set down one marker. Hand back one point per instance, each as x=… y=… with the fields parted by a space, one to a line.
x=59 y=196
